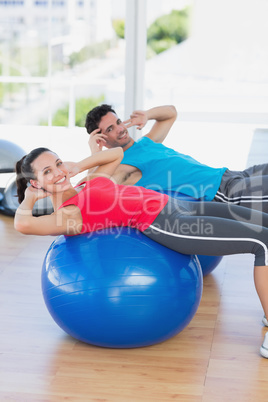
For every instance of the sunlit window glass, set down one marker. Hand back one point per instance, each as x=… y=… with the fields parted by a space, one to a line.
x=209 y=58
x=59 y=58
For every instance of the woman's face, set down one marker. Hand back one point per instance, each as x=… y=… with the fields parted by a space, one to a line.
x=51 y=173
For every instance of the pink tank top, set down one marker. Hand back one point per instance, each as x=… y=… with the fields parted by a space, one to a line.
x=104 y=204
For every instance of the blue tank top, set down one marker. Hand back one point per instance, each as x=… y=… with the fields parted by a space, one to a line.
x=165 y=169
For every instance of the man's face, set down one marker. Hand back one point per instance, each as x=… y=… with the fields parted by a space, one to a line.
x=116 y=131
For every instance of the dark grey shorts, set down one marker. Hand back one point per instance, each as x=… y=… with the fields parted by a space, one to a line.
x=248 y=188
x=210 y=228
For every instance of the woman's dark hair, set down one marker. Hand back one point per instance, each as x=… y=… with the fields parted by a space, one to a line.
x=94 y=116
x=25 y=172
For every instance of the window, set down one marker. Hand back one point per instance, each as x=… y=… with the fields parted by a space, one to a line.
x=220 y=71
x=55 y=55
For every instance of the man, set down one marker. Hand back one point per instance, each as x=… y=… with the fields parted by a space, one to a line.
x=148 y=163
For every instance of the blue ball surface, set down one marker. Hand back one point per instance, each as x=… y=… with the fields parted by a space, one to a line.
x=209 y=263
x=120 y=290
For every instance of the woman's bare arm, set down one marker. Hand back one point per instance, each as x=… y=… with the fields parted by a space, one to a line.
x=66 y=220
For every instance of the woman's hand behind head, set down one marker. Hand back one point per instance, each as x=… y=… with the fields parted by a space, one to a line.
x=33 y=193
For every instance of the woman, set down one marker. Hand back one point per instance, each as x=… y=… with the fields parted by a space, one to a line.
x=97 y=203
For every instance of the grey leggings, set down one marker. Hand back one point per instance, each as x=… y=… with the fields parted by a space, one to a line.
x=248 y=188
x=209 y=228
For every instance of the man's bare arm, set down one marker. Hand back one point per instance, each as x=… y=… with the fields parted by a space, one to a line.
x=164 y=117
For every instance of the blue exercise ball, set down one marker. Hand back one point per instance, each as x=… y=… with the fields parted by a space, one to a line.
x=208 y=262
x=120 y=289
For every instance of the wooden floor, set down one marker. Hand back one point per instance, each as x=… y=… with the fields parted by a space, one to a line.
x=216 y=358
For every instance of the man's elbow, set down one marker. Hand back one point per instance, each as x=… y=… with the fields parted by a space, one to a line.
x=173 y=111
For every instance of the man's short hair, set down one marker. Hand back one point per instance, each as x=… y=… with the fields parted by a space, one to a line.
x=94 y=116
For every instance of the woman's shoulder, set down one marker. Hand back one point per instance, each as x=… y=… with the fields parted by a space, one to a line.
x=97 y=180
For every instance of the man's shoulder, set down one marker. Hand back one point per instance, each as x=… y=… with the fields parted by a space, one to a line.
x=144 y=138
x=137 y=143
x=143 y=143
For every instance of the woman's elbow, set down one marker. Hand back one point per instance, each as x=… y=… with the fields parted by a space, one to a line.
x=22 y=227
